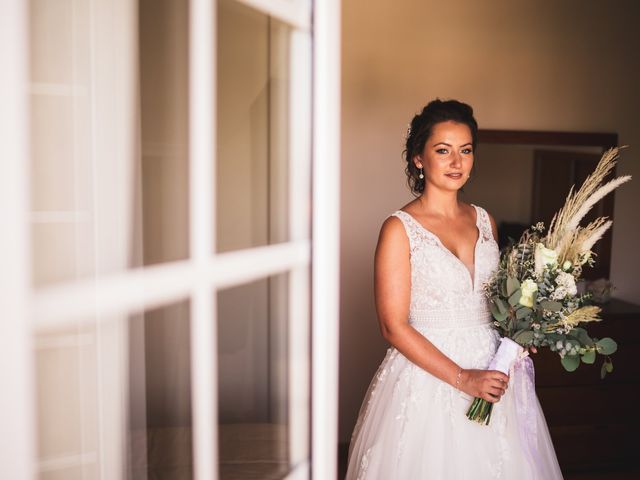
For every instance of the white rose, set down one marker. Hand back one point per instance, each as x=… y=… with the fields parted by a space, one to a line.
x=544 y=256
x=528 y=288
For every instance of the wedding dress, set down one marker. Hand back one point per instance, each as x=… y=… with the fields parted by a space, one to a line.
x=411 y=425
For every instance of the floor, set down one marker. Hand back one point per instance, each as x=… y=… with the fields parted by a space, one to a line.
x=620 y=473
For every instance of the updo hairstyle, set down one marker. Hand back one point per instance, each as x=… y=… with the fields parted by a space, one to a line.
x=420 y=130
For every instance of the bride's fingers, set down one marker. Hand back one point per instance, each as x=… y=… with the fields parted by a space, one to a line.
x=494 y=383
x=499 y=376
x=496 y=391
x=490 y=398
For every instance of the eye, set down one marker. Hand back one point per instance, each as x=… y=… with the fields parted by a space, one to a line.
x=467 y=151
x=442 y=151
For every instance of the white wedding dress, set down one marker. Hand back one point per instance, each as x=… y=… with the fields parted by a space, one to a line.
x=412 y=426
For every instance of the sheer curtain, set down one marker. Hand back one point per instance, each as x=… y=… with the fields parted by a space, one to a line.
x=84 y=129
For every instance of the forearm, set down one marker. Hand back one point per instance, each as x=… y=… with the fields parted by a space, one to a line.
x=419 y=350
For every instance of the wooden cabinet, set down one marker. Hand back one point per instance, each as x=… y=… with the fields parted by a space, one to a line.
x=595 y=423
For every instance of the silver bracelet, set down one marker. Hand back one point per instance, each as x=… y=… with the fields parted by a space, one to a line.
x=458 y=378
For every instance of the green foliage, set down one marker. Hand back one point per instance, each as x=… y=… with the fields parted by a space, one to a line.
x=512 y=285
x=606 y=346
x=551 y=305
x=497 y=314
x=502 y=307
x=570 y=362
x=607 y=367
x=589 y=357
x=524 y=337
x=515 y=298
x=582 y=336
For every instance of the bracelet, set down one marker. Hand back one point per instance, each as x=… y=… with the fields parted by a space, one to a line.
x=458 y=378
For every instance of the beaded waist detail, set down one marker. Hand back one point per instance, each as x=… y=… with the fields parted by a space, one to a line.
x=461 y=317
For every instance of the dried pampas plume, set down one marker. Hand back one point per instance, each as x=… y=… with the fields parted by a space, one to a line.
x=582 y=240
x=563 y=231
x=581 y=315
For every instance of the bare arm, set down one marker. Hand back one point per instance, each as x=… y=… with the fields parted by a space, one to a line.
x=392 y=294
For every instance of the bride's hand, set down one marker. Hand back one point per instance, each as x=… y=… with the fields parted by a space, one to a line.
x=489 y=385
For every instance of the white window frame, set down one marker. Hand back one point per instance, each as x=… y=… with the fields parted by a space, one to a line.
x=27 y=311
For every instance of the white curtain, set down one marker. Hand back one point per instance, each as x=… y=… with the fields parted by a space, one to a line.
x=83 y=56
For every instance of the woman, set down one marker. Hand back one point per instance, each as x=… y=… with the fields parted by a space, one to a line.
x=431 y=260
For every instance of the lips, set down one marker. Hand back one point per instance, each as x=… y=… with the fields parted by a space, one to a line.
x=455 y=176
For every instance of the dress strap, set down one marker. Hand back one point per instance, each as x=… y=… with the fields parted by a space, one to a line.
x=484 y=224
x=415 y=232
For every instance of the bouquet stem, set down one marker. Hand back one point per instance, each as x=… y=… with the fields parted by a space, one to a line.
x=508 y=352
x=480 y=411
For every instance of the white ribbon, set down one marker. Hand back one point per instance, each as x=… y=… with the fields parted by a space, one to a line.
x=511 y=357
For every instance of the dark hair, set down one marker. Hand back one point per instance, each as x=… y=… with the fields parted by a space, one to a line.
x=420 y=129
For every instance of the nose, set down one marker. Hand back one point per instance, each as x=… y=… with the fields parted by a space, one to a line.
x=456 y=161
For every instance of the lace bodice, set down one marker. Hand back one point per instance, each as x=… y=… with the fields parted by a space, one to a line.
x=443 y=294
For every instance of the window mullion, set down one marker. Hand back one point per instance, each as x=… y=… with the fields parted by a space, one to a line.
x=202 y=87
x=17 y=404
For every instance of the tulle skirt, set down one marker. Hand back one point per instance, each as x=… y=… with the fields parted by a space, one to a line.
x=413 y=426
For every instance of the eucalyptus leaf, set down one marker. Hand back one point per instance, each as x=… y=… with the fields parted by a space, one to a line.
x=501 y=305
x=500 y=317
x=523 y=312
x=606 y=346
x=551 y=305
x=589 y=357
x=512 y=285
x=503 y=288
x=570 y=362
x=582 y=336
x=524 y=338
x=608 y=366
x=603 y=371
x=515 y=298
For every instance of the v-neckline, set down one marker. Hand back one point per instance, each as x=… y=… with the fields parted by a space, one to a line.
x=471 y=277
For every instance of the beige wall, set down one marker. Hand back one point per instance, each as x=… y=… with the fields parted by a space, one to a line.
x=570 y=65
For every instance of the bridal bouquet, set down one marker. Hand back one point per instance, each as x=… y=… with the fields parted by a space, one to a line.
x=533 y=294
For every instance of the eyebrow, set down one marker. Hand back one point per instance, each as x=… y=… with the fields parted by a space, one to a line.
x=449 y=145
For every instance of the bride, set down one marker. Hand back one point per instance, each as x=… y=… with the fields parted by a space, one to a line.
x=431 y=260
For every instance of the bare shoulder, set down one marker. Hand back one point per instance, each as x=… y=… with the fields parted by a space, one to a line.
x=393 y=230
x=393 y=239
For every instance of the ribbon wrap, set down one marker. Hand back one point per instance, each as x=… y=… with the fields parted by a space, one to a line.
x=511 y=359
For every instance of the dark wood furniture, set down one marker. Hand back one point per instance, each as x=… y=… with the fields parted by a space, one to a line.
x=595 y=423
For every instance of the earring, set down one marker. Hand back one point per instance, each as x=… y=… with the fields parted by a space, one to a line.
x=421 y=176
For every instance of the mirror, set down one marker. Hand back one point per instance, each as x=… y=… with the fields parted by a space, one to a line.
x=523 y=177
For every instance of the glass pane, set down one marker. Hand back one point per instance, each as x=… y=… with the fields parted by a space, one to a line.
x=160 y=394
x=67 y=404
x=109 y=156
x=252 y=138
x=253 y=371
x=113 y=397
x=164 y=109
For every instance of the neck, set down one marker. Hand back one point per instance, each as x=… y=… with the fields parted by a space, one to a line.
x=440 y=203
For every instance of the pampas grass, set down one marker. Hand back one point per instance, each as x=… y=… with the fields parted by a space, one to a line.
x=581 y=315
x=565 y=235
